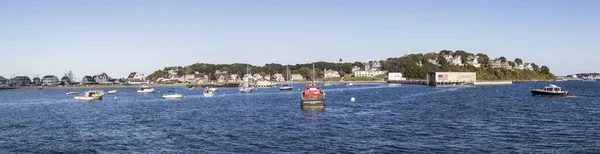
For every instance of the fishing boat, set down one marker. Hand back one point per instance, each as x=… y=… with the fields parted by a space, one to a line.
x=551 y=90
x=245 y=86
x=288 y=86
x=172 y=94
x=208 y=93
x=146 y=89
x=313 y=96
x=90 y=96
x=112 y=92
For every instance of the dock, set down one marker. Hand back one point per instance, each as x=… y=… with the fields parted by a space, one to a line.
x=419 y=82
x=493 y=83
x=7 y=88
x=215 y=85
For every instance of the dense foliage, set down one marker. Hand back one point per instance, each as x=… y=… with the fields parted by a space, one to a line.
x=413 y=66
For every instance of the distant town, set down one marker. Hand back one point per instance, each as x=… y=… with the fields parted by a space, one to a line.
x=413 y=66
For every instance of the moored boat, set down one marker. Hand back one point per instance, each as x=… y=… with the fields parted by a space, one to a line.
x=72 y=93
x=172 y=95
x=288 y=86
x=90 y=96
x=208 y=93
x=551 y=90
x=312 y=97
x=112 y=92
x=146 y=89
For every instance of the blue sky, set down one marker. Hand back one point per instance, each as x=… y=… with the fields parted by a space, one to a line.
x=120 y=36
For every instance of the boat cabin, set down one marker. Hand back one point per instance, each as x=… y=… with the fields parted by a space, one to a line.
x=145 y=87
x=552 y=88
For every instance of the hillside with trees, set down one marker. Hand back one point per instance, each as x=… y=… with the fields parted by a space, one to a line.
x=413 y=66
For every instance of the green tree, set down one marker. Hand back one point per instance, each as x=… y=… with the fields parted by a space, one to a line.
x=545 y=70
x=503 y=59
x=519 y=61
x=305 y=72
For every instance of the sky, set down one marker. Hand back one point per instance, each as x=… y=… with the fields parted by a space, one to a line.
x=122 y=36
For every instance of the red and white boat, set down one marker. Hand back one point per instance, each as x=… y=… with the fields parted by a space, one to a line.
x=313 y=96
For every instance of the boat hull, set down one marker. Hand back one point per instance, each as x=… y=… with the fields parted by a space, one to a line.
x=112 y=92
x=88 y=98
x=209 y=94
x=286 y=88
x=546 y=93
x=146 y=91
x=312 y=103
x=175 y=96
x=247 y=90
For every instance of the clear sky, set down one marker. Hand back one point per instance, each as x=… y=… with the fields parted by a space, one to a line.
x=119 y=36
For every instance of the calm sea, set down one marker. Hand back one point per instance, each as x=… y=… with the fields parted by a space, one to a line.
x=383 y=119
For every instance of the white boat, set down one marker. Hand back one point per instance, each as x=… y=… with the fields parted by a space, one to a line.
x=172 y=96
x=112 y=92
x=90 y=96
x=328 y=84
x=212 y=89
x=146 y=89
x=208 y=93
x=245 y=87
x=350 y=84
x=288 y=86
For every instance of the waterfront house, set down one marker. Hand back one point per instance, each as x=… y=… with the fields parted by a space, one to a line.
x=65 y=80
x=258 y=77
x=221 y=79
x=88 y=80
x=102 y=78
x=233 y=78
x=528 y=66
x=20 y=81
x=434 y=62
x=278 y=77
x=37 y=81
x=331 y=74
x=297 y=77
x=3 y=82
x=369 y=73
x=50 y=80
x=355 y=68
x=395 y=76
x=189 y=78
x=451 y=78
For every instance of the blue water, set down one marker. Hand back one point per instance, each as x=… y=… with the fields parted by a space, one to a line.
x=384 y=119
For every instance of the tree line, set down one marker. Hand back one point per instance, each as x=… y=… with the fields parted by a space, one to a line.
x=413 y=66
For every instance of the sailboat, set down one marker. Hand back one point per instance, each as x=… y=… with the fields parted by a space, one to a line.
x=245 y=87
x=288 y=86
x=173 y=95
x=313 y=97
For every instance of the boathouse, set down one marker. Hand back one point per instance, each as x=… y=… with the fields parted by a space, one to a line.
x=451 y=78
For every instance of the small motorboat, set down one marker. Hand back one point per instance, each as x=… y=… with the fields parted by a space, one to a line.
x=551 y=90
x=146 y=89
x=212 y=89
x=90 y=96
x=208 y=93
x=172 y=95
x=350 y=84
x=112 y=92
x=286 y=87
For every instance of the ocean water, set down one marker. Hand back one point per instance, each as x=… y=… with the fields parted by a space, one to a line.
x=383 y=119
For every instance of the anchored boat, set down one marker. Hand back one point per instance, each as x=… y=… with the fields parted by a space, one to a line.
x=312 y=96
x=112 y=92
x=146 y=89
x=90 y=96
x=550 y=90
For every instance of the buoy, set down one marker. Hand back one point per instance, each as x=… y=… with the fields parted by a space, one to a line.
x=352 y=99
x=115 y=97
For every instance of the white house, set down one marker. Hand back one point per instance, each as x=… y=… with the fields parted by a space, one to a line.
x=369 y=73
x=278 y=77
x=297 y=77
x=395 y=76
x=331 y=74
x=355 y=68
x=50 y=80
x=233 y=78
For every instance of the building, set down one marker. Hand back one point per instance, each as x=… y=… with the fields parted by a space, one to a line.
x=37 y=81
x=3 y=82
x=65 y=80
x=369 y=73
x=20 y=81
x=451 y=78
x=278 y=77
x=296 y=77
x=88 y=80
x=102 y=79
x=257 y=77
x=233 y=78
x=395 y=76
x=355 y=68
x=50 y=80
x=331 y=74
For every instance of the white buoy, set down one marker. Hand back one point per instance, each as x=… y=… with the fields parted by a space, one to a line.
x=352 y=99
